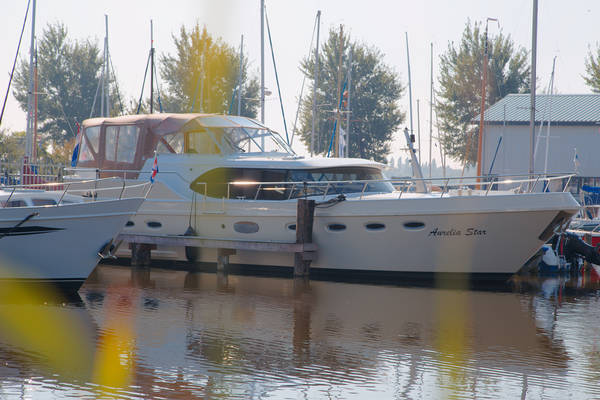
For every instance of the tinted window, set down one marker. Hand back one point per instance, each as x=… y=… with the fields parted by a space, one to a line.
x=43 y=202
x=244 y=182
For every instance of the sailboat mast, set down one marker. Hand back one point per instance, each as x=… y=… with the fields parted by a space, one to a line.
x=316 y=84
x=151 y=68
x=239 y=97
x=35 y=106
x=262 y=61
x=29 y=131
x=349 y=80
x=107 y=69
x=532 y=85
x=431 y=111
x=336 y=149
x=409 y=85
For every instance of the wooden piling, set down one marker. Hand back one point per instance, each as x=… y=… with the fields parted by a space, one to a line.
x=223 y=258
x=304 y=229
x=140 y=254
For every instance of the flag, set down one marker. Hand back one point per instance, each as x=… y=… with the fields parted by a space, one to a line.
x=154 y=168
x=75 y=155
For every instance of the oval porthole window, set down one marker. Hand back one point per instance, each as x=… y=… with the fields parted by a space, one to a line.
x=414 y=225
x=154 y=224
x=336 y=227
x=129 y=223
x=292 y=227
x=245 y=227
x=375 y=226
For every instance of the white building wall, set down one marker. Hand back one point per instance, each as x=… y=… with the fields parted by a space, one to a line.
x=513 y=154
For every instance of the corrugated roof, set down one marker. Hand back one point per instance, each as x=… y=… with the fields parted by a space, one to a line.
x=583 y=109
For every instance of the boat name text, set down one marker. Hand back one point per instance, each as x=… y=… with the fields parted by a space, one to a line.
x=436 y=232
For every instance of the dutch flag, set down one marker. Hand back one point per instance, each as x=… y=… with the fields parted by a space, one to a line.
x=154 y=168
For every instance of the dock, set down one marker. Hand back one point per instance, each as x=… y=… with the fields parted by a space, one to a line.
x=303 y=248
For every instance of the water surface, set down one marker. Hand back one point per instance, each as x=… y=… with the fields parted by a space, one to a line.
x=156 y=333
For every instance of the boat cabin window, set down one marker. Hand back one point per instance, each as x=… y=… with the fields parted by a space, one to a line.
x=244 y=182
x=15 y=203
x=121 y=142
x=90 y=143
x=43 y=202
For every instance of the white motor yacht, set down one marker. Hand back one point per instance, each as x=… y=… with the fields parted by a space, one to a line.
x=229 y=177
x=57 y=237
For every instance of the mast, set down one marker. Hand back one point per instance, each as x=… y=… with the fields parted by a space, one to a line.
x=262 y=61
x=483 y=94
x=30 y=105
x=418 y=130
x=409 y=85
x=107 y=68
x=35 y=105
x=105 y=93
x=316 y=84
x=431 y=111
x=349 y=79
x=532 y=83
x=336 y=150
x=239 y=108
x=151 y=68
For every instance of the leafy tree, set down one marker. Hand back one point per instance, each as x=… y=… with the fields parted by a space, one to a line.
x=592 y=69
x=460 y=78
x=375 y=91
x=68 y=75
x=198 y=52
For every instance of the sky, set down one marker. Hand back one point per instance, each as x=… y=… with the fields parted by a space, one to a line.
x=566 y=30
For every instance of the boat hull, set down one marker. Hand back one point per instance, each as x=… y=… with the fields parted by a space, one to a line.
x=493 y=234
x=59 y=243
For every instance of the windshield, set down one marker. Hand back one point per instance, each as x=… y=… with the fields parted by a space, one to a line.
x=223 y=135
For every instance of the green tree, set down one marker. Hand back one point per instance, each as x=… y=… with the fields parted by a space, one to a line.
x=460 y=77
x=375 y=91
x=592 y=69
x=199 y=54
x=68 y=75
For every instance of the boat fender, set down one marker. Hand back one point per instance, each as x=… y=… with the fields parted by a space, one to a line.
x=191 y=253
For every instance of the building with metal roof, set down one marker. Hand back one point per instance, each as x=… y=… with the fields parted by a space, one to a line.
x=567 y=129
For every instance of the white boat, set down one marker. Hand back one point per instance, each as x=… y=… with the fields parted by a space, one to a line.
x=230 y=177
x=56 y=237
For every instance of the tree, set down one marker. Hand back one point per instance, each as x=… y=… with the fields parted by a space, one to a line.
x=68 y=75
x=592 y=69
x=460 y=78
x=375 y=91
x=199 y=54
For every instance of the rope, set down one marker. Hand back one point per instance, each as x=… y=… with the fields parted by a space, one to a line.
x=15 y=62
x=303 y=81
x=287 y=138
x=143 y=84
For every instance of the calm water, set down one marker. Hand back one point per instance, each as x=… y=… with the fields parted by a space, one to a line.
x=173 y=334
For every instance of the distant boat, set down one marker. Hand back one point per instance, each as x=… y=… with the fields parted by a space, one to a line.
x=231 y=177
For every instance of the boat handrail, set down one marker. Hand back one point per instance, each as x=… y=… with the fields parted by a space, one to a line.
x=472 y=185
x=87 y=190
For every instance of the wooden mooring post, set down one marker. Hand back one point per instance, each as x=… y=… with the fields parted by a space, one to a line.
x=140 y=254
x=304 y=229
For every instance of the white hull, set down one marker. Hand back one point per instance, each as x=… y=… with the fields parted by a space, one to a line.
x=61 y=243
x=493 y=234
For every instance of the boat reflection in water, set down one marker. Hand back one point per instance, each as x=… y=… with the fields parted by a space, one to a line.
x=178 y=334
x=242 y=336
